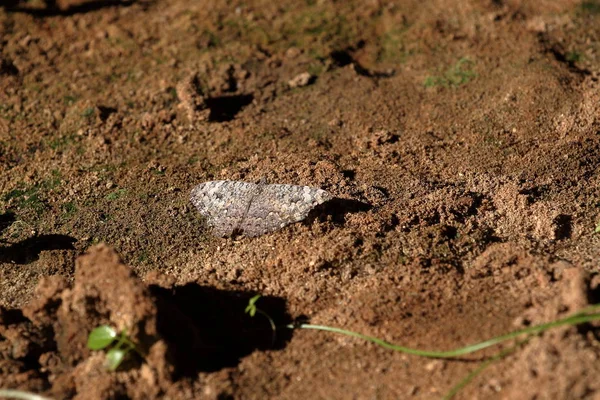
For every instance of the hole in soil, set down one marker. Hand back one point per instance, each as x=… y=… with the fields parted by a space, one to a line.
x=207 y=328
x=341 y=58
x=225 y=108
x=8 y=68
x=106 y=111
x=338 y=208
x=28 y=250
x=448 y=232
x=563 y=226
x=349 y=174
x=6 y=220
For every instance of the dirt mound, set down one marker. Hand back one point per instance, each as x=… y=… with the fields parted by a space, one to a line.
x=45 y=342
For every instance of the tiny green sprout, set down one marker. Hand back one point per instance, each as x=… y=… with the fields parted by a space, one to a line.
x=252 y=310
x=251 y=307
x=597 y=230
x=104 y=336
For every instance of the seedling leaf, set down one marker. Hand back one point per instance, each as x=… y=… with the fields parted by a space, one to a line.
x=114 y=357
x=597 y=230
x=251 y=307
x=252 y=310
x=101 y=337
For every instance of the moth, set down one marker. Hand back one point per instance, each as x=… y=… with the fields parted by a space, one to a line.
x=234 y=208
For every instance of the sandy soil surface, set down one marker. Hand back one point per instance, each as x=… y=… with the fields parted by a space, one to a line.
x=461 y=140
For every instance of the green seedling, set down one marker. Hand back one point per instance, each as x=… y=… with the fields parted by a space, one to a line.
x=597 y=230
x=252 y=310
x=585 y=315
x=104 y=336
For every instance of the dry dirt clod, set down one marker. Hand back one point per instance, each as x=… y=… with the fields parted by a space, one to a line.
x=191 y=98
x=105 y=291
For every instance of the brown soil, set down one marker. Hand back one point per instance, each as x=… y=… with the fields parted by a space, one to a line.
x=460 y=138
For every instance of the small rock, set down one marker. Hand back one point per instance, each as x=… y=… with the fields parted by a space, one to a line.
x=435 y=365
x=300 y=80
x=292 y=52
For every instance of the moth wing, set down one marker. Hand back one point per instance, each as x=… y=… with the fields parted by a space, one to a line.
x=275 y=206
x=223 y=204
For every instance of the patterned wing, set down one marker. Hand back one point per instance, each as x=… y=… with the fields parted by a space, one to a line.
x=274 y=206
x=223 y=204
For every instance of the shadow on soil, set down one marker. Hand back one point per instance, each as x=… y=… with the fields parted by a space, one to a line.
x=224 y=108
x=28 y=250
x=6 y=220
x=337 y=208
x=53 y=10
x=207 y=329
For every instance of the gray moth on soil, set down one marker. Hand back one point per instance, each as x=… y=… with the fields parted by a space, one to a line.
x=253 y=209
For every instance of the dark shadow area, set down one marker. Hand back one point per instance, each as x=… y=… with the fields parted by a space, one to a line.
x=28 y=250
x=11 y=316
x=53 y=10
x=8 y=68
x=105 y=112
x=337 y=208
x=349 y=173
x=341 y=58
x=207 y=329
x=6 y=220
x=224 y=108
x=563 y=224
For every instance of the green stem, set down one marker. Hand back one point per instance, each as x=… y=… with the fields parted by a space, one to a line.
x=458 y=387
x=122 y=340
x=131 y=346
x=125 y=344
x=576 y=319
x=273 y=326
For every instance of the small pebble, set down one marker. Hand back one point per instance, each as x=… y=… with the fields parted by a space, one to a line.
x=300 y=80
